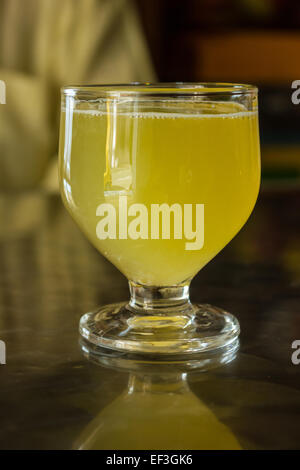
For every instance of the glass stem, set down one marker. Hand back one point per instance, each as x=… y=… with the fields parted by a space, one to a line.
x=159 y=300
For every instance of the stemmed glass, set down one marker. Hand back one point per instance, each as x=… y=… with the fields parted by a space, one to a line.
x=160 y=178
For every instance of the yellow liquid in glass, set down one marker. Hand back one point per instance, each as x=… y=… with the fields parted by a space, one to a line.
x=168 y=154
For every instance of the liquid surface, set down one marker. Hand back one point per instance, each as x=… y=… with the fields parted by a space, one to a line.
x=175 y=153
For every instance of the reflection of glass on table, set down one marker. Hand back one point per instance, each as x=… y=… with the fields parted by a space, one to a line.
x=132 y=156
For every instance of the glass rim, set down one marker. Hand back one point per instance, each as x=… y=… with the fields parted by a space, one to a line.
x=161 y=89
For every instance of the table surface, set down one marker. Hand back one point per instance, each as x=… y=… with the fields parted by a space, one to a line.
x=52 y=397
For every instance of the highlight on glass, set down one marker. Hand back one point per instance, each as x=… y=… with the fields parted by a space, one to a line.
x=160 y=178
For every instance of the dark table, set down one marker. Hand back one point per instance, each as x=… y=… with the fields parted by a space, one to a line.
x=52 y=397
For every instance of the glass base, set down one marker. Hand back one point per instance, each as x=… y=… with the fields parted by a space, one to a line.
x=147 y=364
x=160 y=323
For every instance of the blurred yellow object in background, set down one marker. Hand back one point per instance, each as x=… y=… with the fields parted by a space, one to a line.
x=45 y=44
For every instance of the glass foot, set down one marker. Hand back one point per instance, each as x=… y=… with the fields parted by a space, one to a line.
x=159 y=363
x=173 y=330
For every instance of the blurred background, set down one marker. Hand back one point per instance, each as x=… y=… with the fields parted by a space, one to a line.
x=45 y=44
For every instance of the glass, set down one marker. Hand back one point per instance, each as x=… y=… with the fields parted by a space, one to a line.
x=160 y=178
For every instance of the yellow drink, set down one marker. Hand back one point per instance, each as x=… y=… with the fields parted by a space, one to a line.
x=172 y=153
